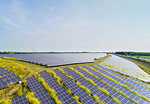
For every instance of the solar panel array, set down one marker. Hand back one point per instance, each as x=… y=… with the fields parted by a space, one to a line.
x=60 y=92
x=56 y=59
x=7 y=77
x=20 y=100
x=139 y=88
x=142 y=83
x=94 y=91
x=130 y=79
x=101 y=75
x=112 y=92
x=39 y=92
x=115 y=85
x=83 y=96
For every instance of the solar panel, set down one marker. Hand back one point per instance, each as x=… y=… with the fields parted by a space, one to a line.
x=7 y=77
x=60 y=92
x=138 y=88
x=84 y=82
x=39 y=92
x=83 y=96
x=108 y=80
x=20 y=100
x=102 y=85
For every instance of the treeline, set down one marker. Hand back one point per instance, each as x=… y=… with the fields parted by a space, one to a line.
x=44 y=52
x=134 y=53
x=7 y=52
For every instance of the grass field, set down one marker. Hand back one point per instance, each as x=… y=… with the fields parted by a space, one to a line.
x=147 y=57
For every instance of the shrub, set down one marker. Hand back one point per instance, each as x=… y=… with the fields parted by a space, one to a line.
x=116 y=100
x=84 y=88
x=91 y=81
x=76 y=98
x=143 y=97
x=7 y=101
x=97 y=99
x=134 y=101
x=32 y=99
x=148 y=87
x=105 y=91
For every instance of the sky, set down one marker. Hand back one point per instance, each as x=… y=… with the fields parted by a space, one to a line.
x=75 y=25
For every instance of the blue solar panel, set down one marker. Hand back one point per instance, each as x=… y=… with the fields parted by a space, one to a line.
x=60 y=92
x=102 y=85
x=138 y=88
x=7 y=77
x=120 y=88
x=39 y=91
x=20 y=100
x=83 y=96
x=84 y=82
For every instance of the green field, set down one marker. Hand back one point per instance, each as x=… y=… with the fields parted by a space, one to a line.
x=148 y=57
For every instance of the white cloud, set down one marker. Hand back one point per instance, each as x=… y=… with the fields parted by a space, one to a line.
x=38 y=32
x=10 y=22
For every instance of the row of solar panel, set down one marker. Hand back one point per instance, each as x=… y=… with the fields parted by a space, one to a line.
x=39 y=92
x=142 y=83
x=3 y=72
x=112 y=92
x=143 y=93
x=7 y=77
x=20 y=100
x=94 y=91
x=37 y=88
x=44 y=98
x=84 y=97
x=60 y=91
x=142 y=90
x=131 y=79
x=115 y=85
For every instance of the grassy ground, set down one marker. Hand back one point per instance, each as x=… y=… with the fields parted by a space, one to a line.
x=147 y=57
x=32 y=67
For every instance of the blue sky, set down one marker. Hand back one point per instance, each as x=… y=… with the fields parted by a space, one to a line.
x=74 y=25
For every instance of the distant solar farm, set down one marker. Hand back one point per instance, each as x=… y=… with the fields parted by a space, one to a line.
x=89 y=83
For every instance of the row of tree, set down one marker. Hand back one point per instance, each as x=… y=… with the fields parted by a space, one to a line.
x=134 y=53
